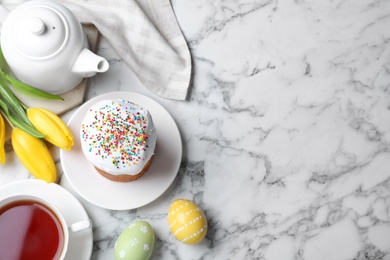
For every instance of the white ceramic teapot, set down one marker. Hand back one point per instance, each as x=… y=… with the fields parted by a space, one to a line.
x=45 y=46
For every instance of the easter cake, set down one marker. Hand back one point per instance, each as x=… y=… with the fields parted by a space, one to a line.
x=119 y=138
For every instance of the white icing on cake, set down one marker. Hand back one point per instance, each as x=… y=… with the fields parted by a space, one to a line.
x=118 y=136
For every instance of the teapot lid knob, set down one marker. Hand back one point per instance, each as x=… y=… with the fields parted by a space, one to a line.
x=35 y=30
x=36 y=26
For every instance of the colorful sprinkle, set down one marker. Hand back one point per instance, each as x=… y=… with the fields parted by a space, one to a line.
x=117 y=133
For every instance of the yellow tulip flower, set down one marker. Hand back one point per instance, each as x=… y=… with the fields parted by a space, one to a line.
x=52 y=126
x=34 y=155
x=2 y=140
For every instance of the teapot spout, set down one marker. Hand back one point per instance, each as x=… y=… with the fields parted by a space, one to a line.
x=88 y=64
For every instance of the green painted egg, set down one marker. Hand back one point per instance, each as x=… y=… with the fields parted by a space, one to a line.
x=136 y=242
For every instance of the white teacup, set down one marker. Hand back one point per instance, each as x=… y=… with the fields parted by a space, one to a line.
x=32 y=226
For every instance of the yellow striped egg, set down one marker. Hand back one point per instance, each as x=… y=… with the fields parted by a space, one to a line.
x=187 y=221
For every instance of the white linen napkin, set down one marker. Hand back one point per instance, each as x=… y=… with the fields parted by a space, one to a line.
x=146 y=34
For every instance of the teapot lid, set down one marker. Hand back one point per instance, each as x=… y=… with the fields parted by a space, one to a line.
x=38 y=31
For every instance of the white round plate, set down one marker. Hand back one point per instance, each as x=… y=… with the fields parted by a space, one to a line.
x=96 y=189
x=80 y=243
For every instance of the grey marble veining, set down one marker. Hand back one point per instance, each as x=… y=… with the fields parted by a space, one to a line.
x=286 y=133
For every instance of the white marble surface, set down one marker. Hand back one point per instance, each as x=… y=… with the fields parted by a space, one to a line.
x=286 y=133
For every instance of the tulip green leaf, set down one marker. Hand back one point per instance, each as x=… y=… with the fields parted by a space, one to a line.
x=16 y=122
x=13 y=102
x=26 y=89
x=3 y=64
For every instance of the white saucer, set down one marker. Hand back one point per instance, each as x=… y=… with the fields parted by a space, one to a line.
x=93 y=187
x=80 y=243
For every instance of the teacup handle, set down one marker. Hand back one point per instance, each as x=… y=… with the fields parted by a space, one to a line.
x=80 y=225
